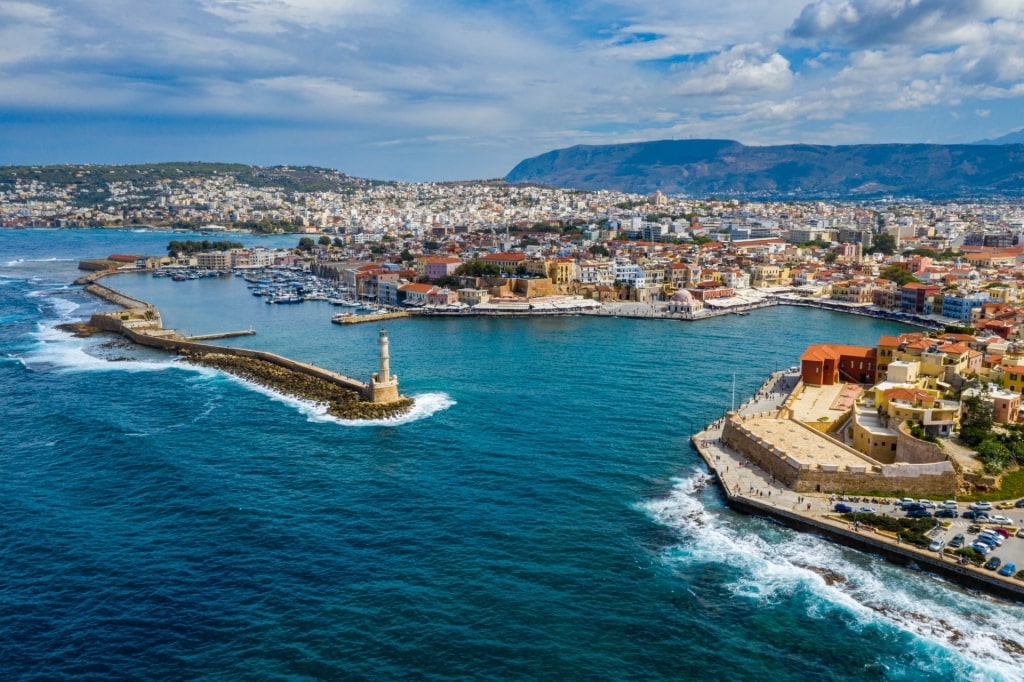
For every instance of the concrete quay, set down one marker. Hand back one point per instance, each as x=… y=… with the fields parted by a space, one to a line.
x=373 y=317
x=750 y=490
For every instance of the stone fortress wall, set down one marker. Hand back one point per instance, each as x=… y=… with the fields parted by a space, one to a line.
x=930 y=475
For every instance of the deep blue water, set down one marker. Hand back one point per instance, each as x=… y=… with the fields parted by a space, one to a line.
x=539 y=516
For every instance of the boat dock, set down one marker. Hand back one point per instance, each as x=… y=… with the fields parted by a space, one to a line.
x=372 y=317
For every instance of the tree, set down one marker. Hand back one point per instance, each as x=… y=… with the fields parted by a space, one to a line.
x=599 y=250
x=478 y=268
x=406 y=255
x=339 y=242
x=324 y=240
x=976 y=420
x=830 y=257
x=306 y=244
x=895 y=273
x=993 y=454
x=883 y=243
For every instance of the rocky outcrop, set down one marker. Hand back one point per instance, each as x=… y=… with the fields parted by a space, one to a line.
x=341 y=402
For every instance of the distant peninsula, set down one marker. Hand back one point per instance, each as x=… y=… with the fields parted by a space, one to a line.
x=726 y=168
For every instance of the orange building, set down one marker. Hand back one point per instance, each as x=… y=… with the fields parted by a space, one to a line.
x=826 y=364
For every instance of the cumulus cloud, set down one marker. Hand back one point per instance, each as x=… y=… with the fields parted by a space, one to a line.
x=517 y=78
x=744 y=68
x=865 y=23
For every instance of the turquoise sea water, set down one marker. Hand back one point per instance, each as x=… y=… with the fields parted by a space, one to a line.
x=540 y=515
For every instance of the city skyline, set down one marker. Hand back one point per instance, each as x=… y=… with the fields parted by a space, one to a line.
x=465 y=90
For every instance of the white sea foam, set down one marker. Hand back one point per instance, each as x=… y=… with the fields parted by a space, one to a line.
x=982 y=632
x=60 y=351
x=424 y=406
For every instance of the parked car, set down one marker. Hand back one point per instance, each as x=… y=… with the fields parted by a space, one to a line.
x=993 y=563
x=937 y=544
x=927 y=504
x=980 y=506
x=999 y=518
x=970 y=514
x=1019 y=504
x=866 y=510
x=994 y=540
x=973 y=528
x=981 y=548
x=919 y=514
x=1020 y=533
x=1008 y=569
x=905 y=501
x=1002 y=531
x=957 y=541
x=843 y=508
x=948 y=504
x=945 y=513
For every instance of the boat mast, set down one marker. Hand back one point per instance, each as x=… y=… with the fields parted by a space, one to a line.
x=733 y=392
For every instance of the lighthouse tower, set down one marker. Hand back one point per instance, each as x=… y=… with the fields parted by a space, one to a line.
x=383 y=387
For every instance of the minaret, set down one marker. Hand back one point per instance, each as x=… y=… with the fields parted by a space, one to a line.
x=385 y=358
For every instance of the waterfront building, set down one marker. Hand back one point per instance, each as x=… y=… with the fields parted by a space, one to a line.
x=962 y=306
x=827 y=364
x=415 y=294
x=472 y=297
x=916 y=298
x=214 y=260
x=685 y=304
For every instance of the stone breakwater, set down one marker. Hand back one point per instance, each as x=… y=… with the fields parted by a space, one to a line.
x=341 y=402
x=140 y=322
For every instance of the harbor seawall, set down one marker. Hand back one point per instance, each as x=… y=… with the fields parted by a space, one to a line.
x=815 y=519
x=140 y=322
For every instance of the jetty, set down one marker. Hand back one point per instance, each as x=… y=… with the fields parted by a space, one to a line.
x=372 y=317
x=752 y=490
x=141 y=323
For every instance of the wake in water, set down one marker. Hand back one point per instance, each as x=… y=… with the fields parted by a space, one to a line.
x=983 y=633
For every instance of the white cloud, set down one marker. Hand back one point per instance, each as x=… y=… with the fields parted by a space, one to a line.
x=518 y=78
x=744 y=68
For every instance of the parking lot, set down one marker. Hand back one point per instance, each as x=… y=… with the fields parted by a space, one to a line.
x=1012 y=549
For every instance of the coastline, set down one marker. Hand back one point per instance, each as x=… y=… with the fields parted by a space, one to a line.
x=750 y=490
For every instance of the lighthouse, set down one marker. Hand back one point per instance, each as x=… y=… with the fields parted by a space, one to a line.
x=383 y=386
x=385 y=358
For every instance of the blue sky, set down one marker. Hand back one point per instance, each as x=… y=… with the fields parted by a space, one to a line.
x=456 y=89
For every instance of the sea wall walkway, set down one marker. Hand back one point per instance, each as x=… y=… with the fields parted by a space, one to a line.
x=753 y=491
x=140 y=322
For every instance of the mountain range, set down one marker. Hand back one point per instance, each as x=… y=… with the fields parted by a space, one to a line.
x=726 y=168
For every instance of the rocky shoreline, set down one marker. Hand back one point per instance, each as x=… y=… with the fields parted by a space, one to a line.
x=341 y=402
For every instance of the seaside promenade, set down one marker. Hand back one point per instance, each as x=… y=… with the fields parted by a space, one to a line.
x=753 y=491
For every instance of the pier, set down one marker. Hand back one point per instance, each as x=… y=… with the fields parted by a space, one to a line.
x=140 y=322
x=372 y=317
